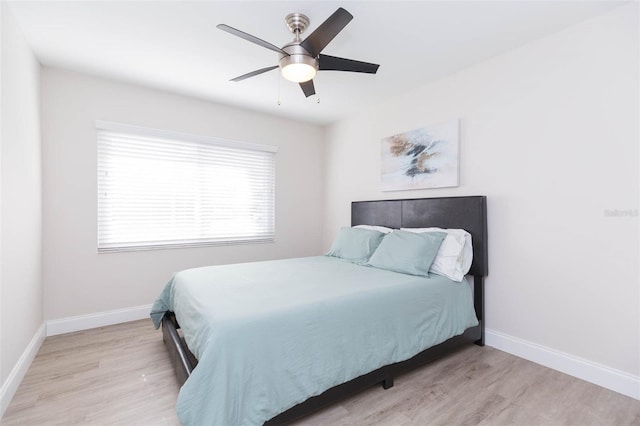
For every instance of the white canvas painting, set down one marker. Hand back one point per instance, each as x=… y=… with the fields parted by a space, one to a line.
x=421 y=158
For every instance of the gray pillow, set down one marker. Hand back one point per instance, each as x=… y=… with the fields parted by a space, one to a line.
x=355 y=244
x=407 y=252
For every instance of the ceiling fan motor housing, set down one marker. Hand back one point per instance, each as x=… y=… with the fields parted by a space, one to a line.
x=298 y=65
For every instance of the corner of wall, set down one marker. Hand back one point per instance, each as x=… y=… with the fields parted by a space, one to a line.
x=21 y=279
x=10 y=386
x=2 y=6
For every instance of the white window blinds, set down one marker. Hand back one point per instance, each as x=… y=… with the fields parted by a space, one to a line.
x=159 y=189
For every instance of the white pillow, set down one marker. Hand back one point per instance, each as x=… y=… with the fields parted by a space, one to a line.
x=382 y=229
x=455 y=254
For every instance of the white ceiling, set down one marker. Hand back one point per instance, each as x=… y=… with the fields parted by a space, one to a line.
x=175 y=46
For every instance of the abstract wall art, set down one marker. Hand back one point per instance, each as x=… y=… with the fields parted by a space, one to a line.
x=421 y=158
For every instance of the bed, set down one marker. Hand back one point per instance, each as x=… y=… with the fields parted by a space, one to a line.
x=284 y=348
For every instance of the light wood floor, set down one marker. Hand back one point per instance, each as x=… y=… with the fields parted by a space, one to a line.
x=121 y=375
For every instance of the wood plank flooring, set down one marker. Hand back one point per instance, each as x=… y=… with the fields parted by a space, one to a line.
x=121 y=375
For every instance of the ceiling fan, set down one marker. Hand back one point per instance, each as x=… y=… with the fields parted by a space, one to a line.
x=301 y=59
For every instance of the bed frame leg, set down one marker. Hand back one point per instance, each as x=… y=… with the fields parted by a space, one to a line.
x=478 y=303
x=388 y=379
x=480 y=341
x=387 y=383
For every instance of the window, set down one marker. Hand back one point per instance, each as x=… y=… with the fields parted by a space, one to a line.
x=159 y=189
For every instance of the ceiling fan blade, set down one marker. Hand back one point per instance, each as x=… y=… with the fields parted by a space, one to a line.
x=322 y=36
x=254 y=73
x=252 y=39
x=333 y=63
x=308 y=88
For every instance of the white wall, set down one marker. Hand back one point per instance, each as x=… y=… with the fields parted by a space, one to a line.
x=80 y=281
x=550 y=135
x=20 y=197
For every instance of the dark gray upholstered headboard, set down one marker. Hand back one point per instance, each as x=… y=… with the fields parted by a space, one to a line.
x=469 y=213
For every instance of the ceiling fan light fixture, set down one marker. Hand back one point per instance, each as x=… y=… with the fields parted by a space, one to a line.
x=298 y=73
x=298 y=68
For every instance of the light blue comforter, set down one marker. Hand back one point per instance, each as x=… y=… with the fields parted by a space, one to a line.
x=269 y=335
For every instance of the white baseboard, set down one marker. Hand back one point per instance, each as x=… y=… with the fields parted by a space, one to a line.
x=100 y=319
x=10 y=386
x=601 y=375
